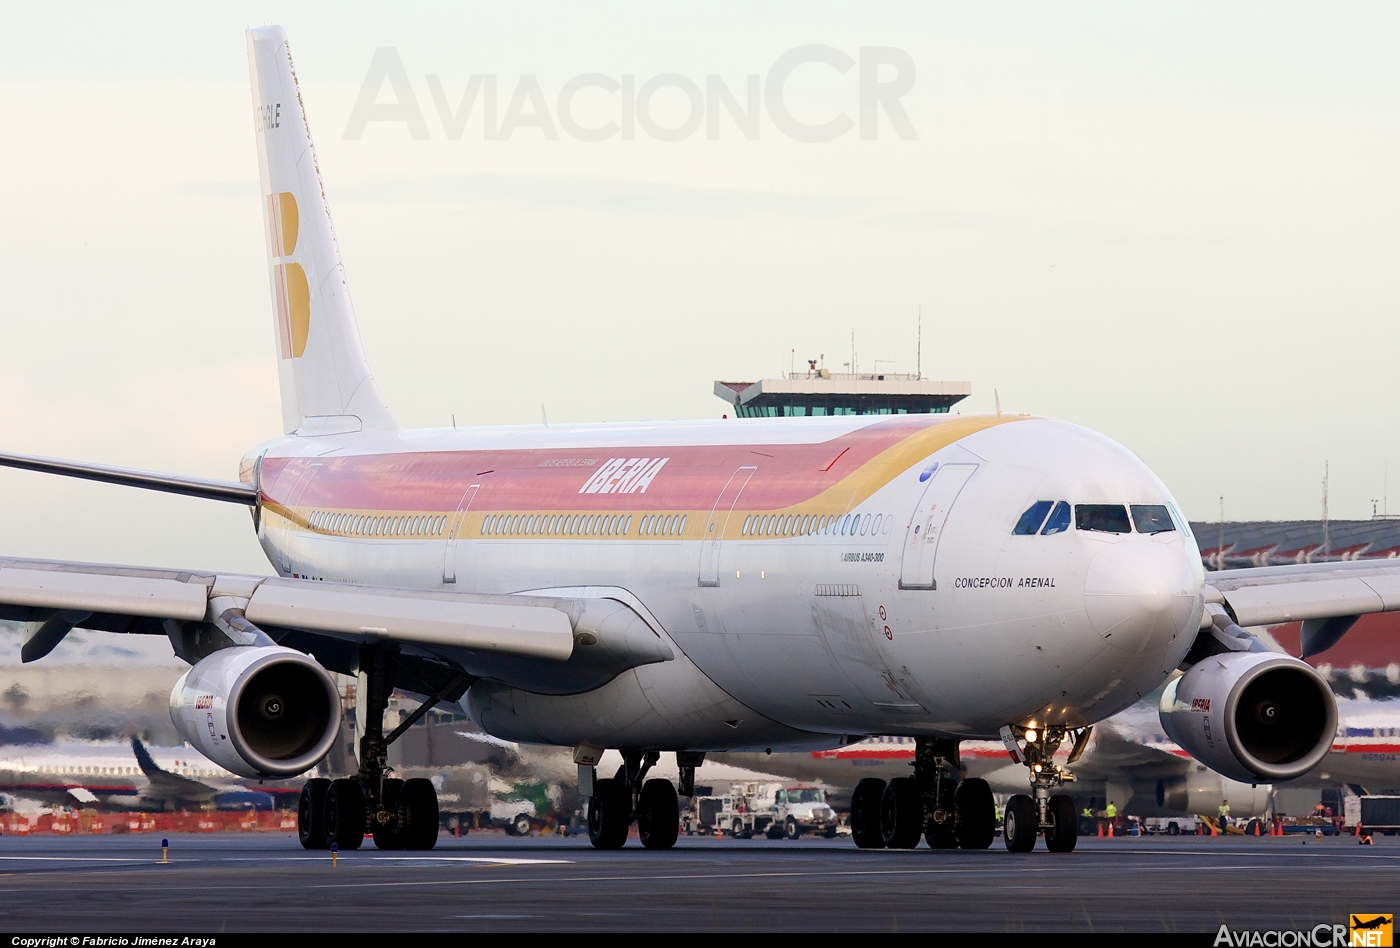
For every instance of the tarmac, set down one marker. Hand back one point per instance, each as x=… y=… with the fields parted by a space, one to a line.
x=488 y=882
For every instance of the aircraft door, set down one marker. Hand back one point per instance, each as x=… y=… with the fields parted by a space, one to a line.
x=293 y=500
x=926 y=525
x=454 y=527
x=718 y=522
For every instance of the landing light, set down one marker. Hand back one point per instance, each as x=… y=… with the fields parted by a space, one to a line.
x=1031 y=735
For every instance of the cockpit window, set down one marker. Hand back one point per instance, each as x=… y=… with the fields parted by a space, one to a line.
x=1059 y=520
x=1103 y=518
x=1029 y=524
x=1152 y=518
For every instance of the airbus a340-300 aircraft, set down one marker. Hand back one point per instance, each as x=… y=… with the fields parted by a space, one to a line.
x=688 y=587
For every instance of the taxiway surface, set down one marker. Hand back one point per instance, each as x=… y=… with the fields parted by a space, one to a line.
x=487 y=882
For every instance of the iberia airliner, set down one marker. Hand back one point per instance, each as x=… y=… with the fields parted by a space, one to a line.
x=687 y=587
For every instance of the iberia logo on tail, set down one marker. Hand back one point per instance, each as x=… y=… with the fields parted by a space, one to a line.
x=289 y=279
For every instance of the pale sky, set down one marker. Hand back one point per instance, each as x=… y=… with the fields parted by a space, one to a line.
x=1176 y=226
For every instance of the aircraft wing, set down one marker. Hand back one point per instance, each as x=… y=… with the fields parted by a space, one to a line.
x=1113 y=753
x=1326 y=597
x=526 y=638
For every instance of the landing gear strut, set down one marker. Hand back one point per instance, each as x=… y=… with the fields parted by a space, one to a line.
x=947 y=812
x=1052 y=814
x=615 y=802
x=401 y=814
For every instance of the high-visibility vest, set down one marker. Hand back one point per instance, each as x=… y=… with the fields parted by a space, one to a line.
x=1111 y=811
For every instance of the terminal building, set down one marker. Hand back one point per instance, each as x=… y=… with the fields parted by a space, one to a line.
x=821 y=392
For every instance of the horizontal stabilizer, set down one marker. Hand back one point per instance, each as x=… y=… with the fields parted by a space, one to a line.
x=208 y=489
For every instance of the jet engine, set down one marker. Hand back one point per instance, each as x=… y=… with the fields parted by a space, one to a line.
x=1256 y=717
x=258 y=711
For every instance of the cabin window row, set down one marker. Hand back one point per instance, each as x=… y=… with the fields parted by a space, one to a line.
x=549 y=525
x=1096 y=518
x=366 y=525
x=793 y=525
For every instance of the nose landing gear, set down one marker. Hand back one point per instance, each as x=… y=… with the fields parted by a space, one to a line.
x=401 y=814
x=1029 y=816
x=947 y=812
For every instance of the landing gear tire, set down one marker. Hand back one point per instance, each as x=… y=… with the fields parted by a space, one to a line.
x=344 y=812
x=865 y=814
x=609 y=814
x=940 y=835
x=389 y=835
x=975 y=825
x=791 y=830
x=418 y=814
x=311 y=814
x=901 y=814
x=1063 y=831
x=1021 y=825
x=658 y=815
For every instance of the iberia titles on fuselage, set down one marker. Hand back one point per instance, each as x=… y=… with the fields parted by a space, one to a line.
x=835 y=575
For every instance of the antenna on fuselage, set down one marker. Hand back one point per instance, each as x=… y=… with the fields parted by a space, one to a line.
x=544 y=418
x=997 y=396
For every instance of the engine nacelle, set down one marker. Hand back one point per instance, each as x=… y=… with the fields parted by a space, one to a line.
x=1251 y=716
x=258 y=711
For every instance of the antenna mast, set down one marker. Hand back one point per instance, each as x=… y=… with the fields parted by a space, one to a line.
x=919 y=347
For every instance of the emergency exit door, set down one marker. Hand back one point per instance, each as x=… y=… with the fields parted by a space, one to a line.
x=926 y=526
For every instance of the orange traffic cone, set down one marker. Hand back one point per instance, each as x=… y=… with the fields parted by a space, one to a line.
x=1256 y=829
x=1214 y=830
x=1110 y=830
x=1100 y=830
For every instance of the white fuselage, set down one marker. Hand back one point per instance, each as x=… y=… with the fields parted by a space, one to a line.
x=816 y=577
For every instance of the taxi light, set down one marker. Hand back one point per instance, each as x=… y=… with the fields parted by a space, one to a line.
x=1031 y=735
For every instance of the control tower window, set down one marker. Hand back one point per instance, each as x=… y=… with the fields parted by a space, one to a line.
x=1102 y=518
x=1058 y=521
x=1152 y=518
x=1031 y=521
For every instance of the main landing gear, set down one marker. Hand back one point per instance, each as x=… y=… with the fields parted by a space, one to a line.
x=614 y=802
x=1053 y=815
x=947 y=812
x=401 y=814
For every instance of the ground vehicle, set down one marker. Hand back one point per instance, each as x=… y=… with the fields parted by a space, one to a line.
x=777 y=810
x=702 y=816
x=796 y=809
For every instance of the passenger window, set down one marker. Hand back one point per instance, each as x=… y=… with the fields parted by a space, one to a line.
x=681 y=528
x=1152 y=518
x=1102 y=518
x=1031 y=520
x=1058 y=521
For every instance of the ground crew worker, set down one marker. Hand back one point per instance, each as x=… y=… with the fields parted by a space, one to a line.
x=1224 y=812
x=1110 y=813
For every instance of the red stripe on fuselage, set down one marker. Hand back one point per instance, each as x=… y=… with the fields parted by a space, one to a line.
x=550 y=479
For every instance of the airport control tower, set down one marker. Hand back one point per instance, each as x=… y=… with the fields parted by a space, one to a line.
x=822 y=392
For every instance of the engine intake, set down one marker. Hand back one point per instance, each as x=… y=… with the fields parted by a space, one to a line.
x=1251 y=716
x=258 y=711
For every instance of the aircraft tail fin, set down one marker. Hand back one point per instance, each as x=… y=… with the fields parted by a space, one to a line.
x=326 y=382
x=143 y=758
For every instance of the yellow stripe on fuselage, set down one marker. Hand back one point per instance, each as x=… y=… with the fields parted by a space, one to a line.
x=837 y=500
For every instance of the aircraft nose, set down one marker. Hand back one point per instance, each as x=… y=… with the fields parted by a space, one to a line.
x=1139 y=593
